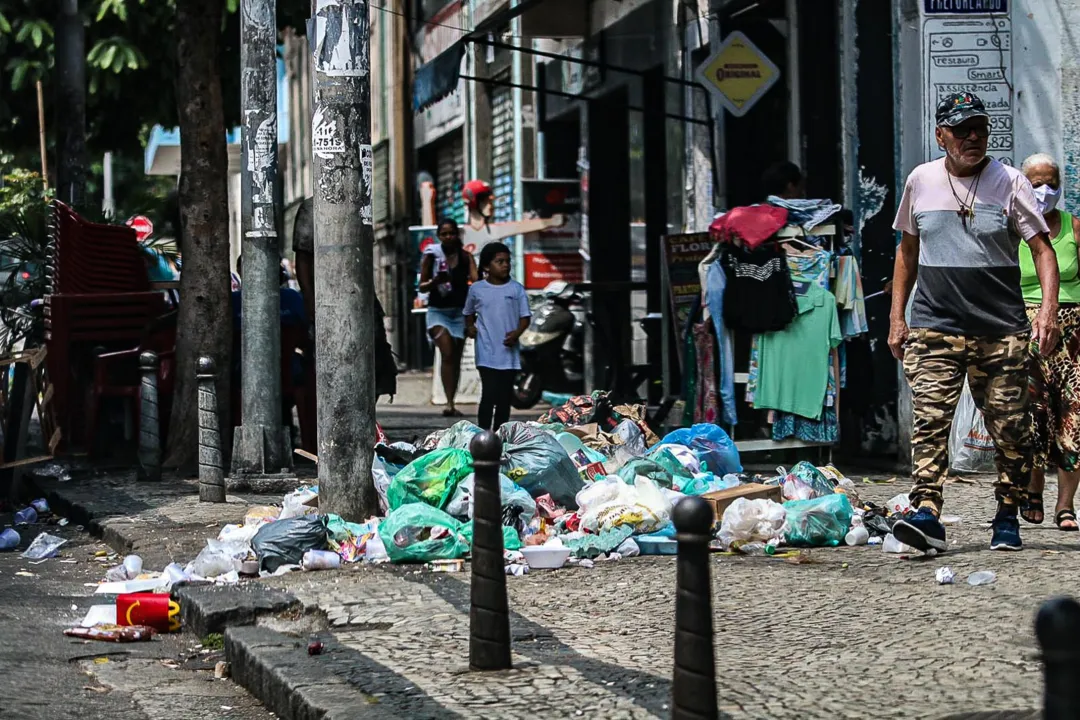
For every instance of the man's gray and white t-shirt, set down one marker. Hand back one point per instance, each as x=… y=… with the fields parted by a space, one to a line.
x=969 y=275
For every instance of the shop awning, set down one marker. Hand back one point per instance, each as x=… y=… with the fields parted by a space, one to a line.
x=438 y=78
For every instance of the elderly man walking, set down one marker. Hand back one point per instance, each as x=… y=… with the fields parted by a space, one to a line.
x=963 y=218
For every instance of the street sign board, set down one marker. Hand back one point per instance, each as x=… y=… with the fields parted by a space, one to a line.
x=965 y=7
x=738 y=73
x=142 y=226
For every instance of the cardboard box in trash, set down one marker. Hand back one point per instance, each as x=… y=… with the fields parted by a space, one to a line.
x=751 y=491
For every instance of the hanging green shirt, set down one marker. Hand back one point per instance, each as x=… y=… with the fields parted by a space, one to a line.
x=793 y=364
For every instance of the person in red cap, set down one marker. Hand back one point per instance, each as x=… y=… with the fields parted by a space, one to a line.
x=479 y=230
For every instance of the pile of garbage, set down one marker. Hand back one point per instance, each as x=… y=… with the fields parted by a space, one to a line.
x=588 y=481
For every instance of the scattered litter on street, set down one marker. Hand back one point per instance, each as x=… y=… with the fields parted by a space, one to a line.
x=44 y=546
x=982 y=577
x=9 y=539
x=112 y=633
x=944 y=576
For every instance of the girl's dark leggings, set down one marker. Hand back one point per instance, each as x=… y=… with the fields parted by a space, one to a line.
x=497 y=387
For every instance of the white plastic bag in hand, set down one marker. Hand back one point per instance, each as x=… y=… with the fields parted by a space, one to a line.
x=971 y=449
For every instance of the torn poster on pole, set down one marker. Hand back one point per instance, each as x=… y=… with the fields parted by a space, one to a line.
x=341 y=29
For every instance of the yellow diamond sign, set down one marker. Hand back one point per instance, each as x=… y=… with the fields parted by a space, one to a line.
x=738 y=74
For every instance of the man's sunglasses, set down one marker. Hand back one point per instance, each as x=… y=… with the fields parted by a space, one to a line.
x=963 y=132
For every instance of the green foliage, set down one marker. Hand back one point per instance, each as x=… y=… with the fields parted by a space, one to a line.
x=131 y=67
x=24 y=242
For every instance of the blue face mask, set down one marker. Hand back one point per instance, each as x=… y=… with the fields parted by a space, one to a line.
x=1048 y=198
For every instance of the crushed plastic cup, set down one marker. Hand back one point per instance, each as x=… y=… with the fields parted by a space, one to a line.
x=892 y=545
x=950 y=520
x=9 y=539
x=321 y=560
x=857 y=535
x=26 y=516
x=944 y=576
x=133 y=565
x=41 y=505
x=982 y=577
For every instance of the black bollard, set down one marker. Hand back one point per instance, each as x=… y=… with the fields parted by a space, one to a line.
x=693 y=687
x=489 y=617
x=1057 y=626
x=211 y=467
x=149 y=419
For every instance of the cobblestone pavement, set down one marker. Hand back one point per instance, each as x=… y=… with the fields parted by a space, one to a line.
x=856 y=632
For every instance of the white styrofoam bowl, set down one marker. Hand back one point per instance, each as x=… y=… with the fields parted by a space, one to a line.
x=540 y=557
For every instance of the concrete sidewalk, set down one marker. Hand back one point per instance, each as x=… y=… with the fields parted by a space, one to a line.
x=853 y=629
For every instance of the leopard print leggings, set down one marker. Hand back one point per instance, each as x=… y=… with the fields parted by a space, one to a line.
x=1054 y=395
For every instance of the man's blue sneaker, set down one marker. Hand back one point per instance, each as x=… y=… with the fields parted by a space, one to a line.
x=1006 y=532
x=922 y=531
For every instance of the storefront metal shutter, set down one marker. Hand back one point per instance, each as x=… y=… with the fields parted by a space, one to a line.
x=450 y=178
x=502 y=151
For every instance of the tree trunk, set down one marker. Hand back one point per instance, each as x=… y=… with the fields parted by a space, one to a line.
x=205 y=319
x=71 y=106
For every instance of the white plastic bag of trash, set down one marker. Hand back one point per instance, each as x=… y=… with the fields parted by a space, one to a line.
x=752 y=520
x=219 y=558
x=296 y=503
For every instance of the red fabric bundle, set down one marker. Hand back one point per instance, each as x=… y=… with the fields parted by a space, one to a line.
x=753 y=224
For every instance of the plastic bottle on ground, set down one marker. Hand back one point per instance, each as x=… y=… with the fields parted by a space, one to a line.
x=26 y=516
x=983 y=577
x=9 y=539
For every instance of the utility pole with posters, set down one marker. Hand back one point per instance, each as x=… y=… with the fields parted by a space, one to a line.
x=70 y=105
x=344 y=257
x=262 y=445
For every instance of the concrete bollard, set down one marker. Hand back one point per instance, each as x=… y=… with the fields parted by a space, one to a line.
x=1057 y=627
x=211 y=468
x=693 y=686
x=149 y=419
x=489 y=616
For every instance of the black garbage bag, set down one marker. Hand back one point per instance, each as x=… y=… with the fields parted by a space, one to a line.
x=548 y=469
x=284 y=542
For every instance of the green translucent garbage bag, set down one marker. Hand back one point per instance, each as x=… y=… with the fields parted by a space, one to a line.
x=666 y=459
x=511 y=540
x=406 y=534
x=429 y=479
x=820 y=522
x=649 y=469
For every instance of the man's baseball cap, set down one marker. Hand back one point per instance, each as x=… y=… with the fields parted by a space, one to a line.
x=958 y=107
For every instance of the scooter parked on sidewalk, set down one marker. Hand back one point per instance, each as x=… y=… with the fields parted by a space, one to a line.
x=552 y=349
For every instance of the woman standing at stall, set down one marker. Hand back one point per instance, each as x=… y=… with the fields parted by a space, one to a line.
x=445 y=274
x=1054 y=393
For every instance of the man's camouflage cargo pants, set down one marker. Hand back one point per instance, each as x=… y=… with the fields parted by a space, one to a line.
x=997 y=372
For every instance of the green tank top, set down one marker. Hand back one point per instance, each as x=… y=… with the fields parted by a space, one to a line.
x=1065 y=249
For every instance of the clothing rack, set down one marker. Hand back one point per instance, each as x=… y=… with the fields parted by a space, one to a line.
x=831 y=230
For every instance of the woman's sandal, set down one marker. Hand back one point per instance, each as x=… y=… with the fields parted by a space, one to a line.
x=1064 y=516
x=1033 y=504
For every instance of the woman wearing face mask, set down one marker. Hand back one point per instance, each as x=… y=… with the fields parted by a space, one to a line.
x=1055 y=378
